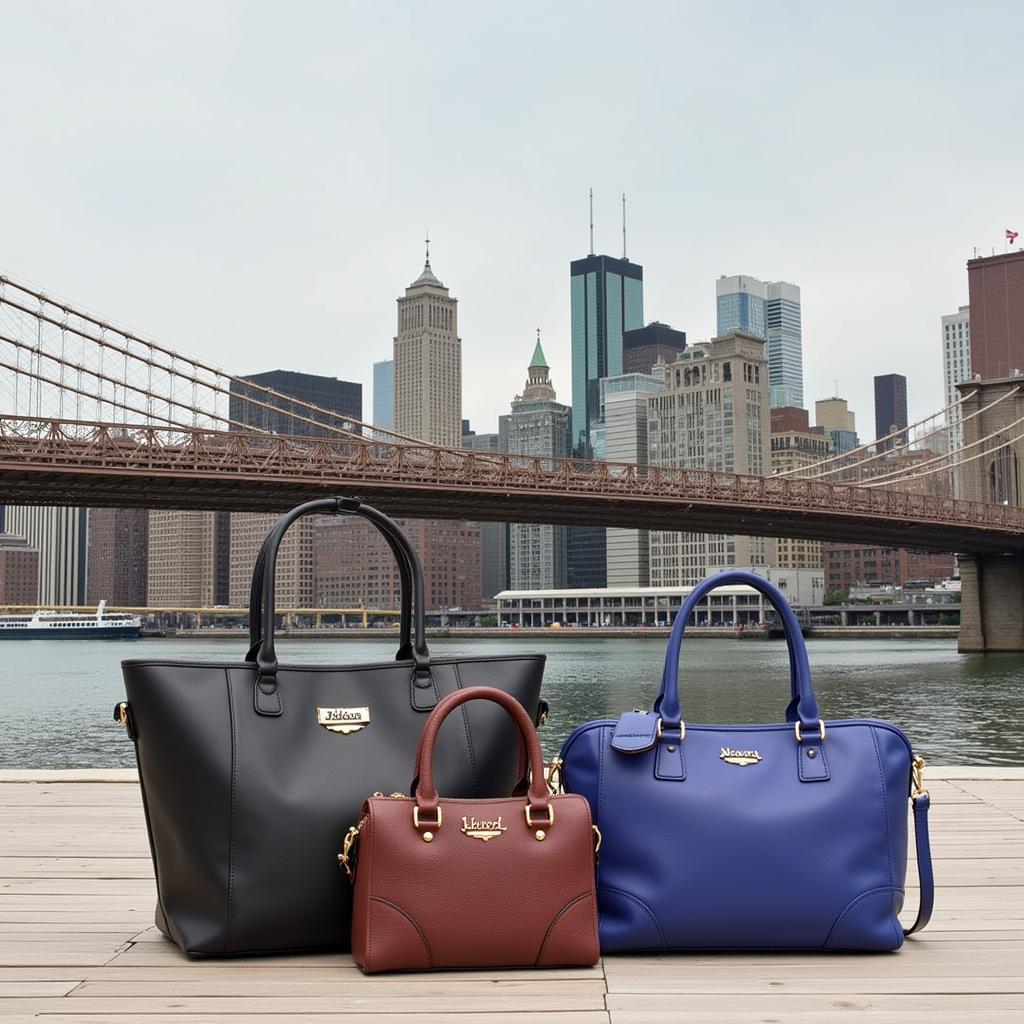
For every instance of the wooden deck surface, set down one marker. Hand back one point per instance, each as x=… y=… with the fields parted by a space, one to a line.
x=77 y=942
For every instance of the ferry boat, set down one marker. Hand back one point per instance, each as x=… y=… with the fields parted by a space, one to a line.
x=52 y=625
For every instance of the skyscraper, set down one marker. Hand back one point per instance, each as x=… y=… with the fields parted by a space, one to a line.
x=956 y=351
x=341 y=397
x=118 y=556
x=624 y=416
x=606 y=299
x=769 y=310
x=59 y=534
x=188 y=559
x=890 y=408
x=740 y=302
x=428 y=363
x=642 y=348
x=428 y=406
x=537 y=425
x=996 y=286
x=795 y=446
x=712 y=414
x=493 y=536
x=956 y=368
x=785 y=345
x=839 y=422
x=384 y=394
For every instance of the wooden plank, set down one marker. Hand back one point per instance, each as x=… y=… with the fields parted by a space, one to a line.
x=326 y=1017
x=431 y=994
x=77 y=942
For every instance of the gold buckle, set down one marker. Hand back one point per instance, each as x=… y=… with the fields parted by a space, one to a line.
x=344 y=860
x=122 y=713
x=799 y=733
x=917 y=789
x=547 y=824
x=555 y=776
x=682 y=730
x=436 y=825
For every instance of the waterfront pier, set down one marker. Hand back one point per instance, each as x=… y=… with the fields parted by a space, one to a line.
x=77 y=941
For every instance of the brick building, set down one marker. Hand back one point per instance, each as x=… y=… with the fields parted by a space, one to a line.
x=860 y=565
x=19 y=571
x=996 y=286
x=118 y=559
x=353 y=566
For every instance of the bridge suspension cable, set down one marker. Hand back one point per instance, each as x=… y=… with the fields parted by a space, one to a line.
x=872 y=450
x=46 y=334
x=911 y=473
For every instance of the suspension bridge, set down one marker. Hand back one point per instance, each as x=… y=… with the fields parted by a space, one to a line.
x=93 y=414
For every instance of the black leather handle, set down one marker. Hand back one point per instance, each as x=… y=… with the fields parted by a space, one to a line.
x=267 y=696
x=398 y=545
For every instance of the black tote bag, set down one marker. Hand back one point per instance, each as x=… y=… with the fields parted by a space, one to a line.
x=251 y=771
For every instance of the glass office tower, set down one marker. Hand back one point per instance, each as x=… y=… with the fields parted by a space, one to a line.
x=607 y=299
x=769 y=310
x=607 y=296
x=384 y=394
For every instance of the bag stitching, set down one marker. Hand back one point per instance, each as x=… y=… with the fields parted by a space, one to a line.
x=853 y=903
x=643 y=906
x=888 y=845
x=413 y=922
x=554 y=921
x=469 y=737
x=231 y=811
x=885 y=808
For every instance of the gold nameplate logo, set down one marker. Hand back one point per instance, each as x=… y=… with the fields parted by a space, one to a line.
x=740 y=757
x=343 y=720
x=483 y=829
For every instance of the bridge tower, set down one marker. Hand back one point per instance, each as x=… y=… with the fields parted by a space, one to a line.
x=992 y=595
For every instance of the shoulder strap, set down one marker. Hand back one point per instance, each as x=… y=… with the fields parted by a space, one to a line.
x=924 y=864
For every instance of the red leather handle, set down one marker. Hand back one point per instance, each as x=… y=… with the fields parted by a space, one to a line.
x=426 y=796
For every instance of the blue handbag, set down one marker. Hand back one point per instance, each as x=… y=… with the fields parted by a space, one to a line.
x=786 y=836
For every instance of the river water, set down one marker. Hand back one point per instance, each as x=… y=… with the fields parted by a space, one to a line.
x=57 y=696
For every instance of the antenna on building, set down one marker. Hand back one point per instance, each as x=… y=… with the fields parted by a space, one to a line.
x=591 y=222
x=428 y=247
x=623 y=225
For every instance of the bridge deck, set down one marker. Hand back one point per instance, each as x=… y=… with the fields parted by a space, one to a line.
x=76 y=942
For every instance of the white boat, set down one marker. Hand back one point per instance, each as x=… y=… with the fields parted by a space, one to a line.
x=53 y=625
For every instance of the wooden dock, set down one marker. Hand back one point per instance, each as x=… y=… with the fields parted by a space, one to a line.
x=77 y=944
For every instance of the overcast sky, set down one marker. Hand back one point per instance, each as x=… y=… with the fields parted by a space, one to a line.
x=252 y=182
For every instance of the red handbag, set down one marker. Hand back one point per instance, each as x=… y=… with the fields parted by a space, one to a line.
x=453 y=883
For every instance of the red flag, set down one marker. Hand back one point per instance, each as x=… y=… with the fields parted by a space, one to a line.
x=1011 y=236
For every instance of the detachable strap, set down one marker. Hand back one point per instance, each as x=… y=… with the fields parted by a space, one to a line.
x=926 y=879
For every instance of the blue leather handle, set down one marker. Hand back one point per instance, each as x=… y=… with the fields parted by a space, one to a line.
x=803 y=706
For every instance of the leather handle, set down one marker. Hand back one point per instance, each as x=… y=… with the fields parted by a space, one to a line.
x=803 y=706
x=267 y=697
x=398 y=550
x=425 y=791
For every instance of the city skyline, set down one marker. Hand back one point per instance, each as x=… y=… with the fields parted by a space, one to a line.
x=188 y=228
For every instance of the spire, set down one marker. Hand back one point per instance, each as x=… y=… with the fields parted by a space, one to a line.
x=538 y=380
x=427 y=276
x=538 y=359
x=624 y=225
x=591 y=222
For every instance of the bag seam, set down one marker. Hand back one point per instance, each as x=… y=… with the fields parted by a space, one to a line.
x=412 y=920
x=853 y=903
x=643 y=906
x=554 y=921
x=231 y=811
x=469 y=736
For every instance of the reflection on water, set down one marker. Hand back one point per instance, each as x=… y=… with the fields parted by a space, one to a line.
x=957 y=708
